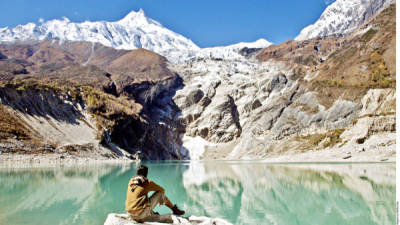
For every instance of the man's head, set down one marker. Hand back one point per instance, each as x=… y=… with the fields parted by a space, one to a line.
x=142 y=171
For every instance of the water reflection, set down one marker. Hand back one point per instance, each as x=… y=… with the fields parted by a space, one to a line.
x=56 y=196
x=243 y=193
x=295 y=194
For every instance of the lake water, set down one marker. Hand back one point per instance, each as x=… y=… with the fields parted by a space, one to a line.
x=240 y=192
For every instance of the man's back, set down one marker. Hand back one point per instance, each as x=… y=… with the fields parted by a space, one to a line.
x=136 y=196
x=140 y=206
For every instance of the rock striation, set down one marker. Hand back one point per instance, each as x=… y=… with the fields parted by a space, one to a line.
x=238 y=109
x=78 y=95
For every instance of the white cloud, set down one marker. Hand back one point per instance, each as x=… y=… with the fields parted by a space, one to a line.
x=41 y=20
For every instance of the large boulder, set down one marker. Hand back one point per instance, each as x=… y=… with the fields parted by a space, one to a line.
x=123 y=219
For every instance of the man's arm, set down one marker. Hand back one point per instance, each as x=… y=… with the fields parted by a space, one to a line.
x=154 y=187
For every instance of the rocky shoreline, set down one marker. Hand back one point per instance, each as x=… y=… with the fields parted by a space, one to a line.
x=123 y=219
x=8 y=160
x=343 y=155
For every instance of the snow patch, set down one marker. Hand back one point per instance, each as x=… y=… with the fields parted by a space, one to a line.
x=196 y=146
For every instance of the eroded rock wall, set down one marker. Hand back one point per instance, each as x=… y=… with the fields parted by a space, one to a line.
x=244 y=109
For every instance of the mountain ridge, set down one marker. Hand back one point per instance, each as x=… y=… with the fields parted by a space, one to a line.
x=343 y=17
x=133 y=31
x=332 y=96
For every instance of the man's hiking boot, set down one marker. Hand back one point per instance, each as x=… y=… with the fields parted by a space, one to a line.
x=177 y=211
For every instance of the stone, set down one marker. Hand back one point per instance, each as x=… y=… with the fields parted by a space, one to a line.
x=123 y=219
x=194 y=97
x=205 y=101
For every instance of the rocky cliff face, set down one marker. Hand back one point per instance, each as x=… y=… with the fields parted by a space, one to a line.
x=72 y=94
x=329 y=95
x=294 y=100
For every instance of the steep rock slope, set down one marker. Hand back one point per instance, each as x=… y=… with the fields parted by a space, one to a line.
x=231 y=102
x=343 y=17
x=306 y=96
x=119 y=106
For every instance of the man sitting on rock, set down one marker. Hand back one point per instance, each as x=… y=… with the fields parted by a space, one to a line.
x=139 y=206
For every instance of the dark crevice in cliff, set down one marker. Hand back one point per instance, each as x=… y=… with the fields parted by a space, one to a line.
x=156 y=134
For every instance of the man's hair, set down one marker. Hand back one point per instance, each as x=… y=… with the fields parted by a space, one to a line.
x=142 y=171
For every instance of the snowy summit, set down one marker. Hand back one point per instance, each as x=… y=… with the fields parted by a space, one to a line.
x=342 y=17
x=133 y=31
x=231 y=52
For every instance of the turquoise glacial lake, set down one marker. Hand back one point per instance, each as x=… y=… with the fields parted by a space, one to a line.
x=240 y=192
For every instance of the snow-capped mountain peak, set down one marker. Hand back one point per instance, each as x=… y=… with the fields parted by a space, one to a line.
x=260 y=43
x=137 y=18
x=133 y=31
x=342 y=17
x=231 y=52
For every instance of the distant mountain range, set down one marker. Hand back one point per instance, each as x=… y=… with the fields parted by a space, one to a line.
x=133 y=31
x=136 y=30
x=73 y=88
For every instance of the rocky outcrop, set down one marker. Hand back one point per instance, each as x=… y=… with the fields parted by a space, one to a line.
x=378 y=115
x=251 y=107
x=295 y=97
x=159 y=132
x=123 y=219
x=55 y=121
x=302 y=96
x=245 y=110
x=77 y=119
x=138 y=80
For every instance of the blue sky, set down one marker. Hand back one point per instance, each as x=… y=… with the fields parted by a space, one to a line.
x=206 y=22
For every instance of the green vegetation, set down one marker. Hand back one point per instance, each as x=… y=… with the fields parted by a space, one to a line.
x=51 y=67
x=328 y=139
x=368 y=35
x=329 y=83
x=380 y=76
x=345 y=56
x=11 y=126
x=306 y=108
x=310 y=60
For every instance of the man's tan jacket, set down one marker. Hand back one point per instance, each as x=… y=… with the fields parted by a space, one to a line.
x=136 y=195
